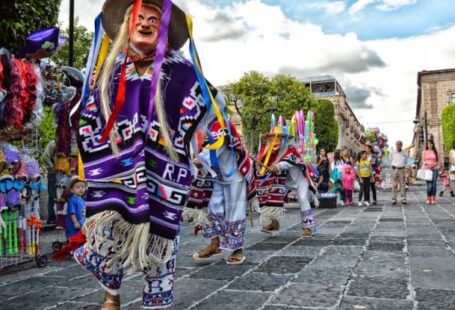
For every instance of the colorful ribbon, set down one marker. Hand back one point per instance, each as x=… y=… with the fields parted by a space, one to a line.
x=206 y=93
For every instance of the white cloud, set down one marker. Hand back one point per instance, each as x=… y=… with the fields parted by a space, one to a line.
x=360 y=5
x=390 y=5
x=382 y=5
x=331 y=7
x=381 y=74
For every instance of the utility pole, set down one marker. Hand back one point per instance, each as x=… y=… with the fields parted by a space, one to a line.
x=71 y=35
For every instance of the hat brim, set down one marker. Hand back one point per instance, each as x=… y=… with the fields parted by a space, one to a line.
x=114 y=12
x=280 y=135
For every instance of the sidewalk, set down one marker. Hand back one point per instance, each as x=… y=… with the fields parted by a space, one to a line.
x=379 y=257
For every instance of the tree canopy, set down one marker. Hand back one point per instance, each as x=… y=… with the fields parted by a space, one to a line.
x=82 y=43
x=20 y=18
x=448 y=126
x=326 y=126
x=256 y=97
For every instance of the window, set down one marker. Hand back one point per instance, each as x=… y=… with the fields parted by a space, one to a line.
x=452 y=98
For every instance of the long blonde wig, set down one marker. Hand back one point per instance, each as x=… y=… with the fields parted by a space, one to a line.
x=107 y=76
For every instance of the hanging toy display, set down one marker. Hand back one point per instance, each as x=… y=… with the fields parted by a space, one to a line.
x=303 y=130
x=26 y=83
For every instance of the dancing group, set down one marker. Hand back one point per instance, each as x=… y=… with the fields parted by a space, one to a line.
x=144 y=167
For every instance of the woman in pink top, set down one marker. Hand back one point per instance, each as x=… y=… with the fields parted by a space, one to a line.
x=348 y=184
x=430 y=162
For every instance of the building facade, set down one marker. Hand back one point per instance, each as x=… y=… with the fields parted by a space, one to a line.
x=436 y=90
x=350 y=129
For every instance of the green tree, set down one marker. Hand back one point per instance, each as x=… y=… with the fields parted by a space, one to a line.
x=448 y=126
x=20 y=18
x=82 y=43
x=256 y=97
x=326 y=126
x=46 y=130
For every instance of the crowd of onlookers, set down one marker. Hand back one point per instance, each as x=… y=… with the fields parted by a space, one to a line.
x=344 y=172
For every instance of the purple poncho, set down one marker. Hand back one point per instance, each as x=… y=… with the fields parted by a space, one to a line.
x=143 y=185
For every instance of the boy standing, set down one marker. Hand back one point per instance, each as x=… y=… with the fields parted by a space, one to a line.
x=75 y=216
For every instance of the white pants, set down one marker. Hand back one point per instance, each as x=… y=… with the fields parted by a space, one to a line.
x=227 y=215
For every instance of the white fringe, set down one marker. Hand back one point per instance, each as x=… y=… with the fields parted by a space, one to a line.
x=135 y=248
x=198 y=215
x=270 y=213
x=314 y=198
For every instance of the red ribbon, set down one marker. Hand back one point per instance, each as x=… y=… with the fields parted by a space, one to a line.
x=119 y=101
x=136 y=8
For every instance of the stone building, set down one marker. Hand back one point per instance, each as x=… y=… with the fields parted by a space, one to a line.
x=436 y=90
x=350 y=129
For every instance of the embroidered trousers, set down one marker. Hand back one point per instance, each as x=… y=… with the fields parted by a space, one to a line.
x=305 y=207
x=158 y=282
x=227 y=215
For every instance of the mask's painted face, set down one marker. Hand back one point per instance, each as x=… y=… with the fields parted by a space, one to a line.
x=278 y=145
x=145 y=34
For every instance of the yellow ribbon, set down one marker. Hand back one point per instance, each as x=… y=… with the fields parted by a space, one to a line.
x=220 y=142
x=104 y=49
x=269 y=152
x=80 y=167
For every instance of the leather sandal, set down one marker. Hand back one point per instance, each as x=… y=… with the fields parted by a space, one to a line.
x=307 y=233
x=111 y=302
x=236 y=259
x=207 y=253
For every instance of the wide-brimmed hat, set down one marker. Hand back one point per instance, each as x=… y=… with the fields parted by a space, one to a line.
x=42 y=43
x=114 y=13
x=280 y=135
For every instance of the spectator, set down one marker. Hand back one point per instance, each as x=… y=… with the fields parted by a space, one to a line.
x=452 y=165
x=346 y=157
x=365 y=177
x=399 y=160
x=336 y=175
x=323 y=166
x=49 y=158
x=446 y=183
x=371 y=156
x=348 y=184
x=430 y=162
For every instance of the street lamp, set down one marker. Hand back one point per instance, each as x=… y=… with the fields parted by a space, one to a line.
x=71 y=35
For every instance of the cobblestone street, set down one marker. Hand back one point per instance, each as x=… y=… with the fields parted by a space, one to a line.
x=381 y=257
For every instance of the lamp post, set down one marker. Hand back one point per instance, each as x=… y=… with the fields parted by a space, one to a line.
x=71 y=35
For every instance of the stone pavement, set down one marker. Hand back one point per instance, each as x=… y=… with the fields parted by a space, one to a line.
x=380 y=257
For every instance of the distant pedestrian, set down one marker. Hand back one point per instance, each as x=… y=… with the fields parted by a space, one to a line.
x=430 y=162
x=373 y=158
x=452 y=165
x=446 y=183
x=336 y=175
x=49 y=158
x=346 y=157
x=399 y=160
x=323 y=171
x=365 y=174
x=348 y=184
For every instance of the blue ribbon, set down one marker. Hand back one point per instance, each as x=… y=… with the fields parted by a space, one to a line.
x=94 y=50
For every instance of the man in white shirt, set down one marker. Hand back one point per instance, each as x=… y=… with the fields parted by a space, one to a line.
x=399 y=161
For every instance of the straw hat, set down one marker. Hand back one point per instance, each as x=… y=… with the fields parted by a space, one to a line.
x=114 y=12
x=74 y=179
